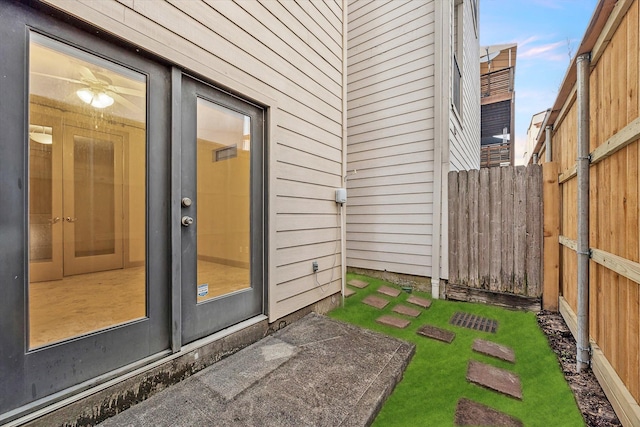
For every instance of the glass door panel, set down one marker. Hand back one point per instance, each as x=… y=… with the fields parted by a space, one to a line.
x=87 y=193
x=222 y=227
x=223 y=190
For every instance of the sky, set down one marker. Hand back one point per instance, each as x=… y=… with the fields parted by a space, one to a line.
x=548 y=33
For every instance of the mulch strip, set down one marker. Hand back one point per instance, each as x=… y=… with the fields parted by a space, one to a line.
x=494 y=350
x=407 y=311
x=385 y=290
x=395 y=322
x=470 y=413
x=493 y=378
x=436 y=333
x=420 y=302
x=375 y=301
x=357 y=283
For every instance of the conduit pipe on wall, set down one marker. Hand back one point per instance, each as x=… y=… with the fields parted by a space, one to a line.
x=583 y=63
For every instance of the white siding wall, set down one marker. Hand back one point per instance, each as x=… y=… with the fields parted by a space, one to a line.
x=287 y=55
x=390 y=135
x=464 y=130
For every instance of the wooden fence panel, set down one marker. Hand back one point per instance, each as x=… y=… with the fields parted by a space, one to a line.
x=495 y=233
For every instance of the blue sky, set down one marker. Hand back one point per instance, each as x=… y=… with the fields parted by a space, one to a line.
x=548 y=33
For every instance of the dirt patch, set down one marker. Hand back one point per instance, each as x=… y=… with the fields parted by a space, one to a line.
x=593 y=403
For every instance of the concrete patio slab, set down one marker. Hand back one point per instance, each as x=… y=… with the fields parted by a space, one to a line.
x=316 y=371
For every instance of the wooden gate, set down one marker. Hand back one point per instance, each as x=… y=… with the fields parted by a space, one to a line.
x=495 y=236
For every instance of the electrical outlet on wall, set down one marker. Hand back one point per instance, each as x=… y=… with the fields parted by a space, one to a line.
x=315 y=266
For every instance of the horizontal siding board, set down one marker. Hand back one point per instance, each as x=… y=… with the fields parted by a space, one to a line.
x=380 y=11
x=390 y=257
x=290 y=222
x=417 y=135
x=425 y=124
x=370 y=98
x=381 y=22
x=292 y=172
x=423 y=209
x=287 y=154
x=288 y=273
x=396 y=248
x=393 y=170
x=287 y=239
x=424 y=104
x=291 y=290
x=323 y=25
x=294 y=254
x=291 y=205
x=299 y=126
x=363 y=114
x=416 y=270
x=416 y=239
x=307 y=144
x=373 y=126
x=302 y=33
x=422 y=229
x=399 y=218
x=410 y=43
x=387 y=190
x=291 y=304
x=420 y=157
x=401 y=68
x=305 y=190
x=392 y=83
x=356 y=182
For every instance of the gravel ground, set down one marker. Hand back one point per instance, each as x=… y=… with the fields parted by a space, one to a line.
x=592 y=401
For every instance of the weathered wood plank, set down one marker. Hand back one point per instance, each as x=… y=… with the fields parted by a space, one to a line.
x=463 y=229
x=507 y=176
x=520 y=231
x=473 y=181
x=484 y=232
x=463 y=293
x=551 y=230
x=453 y=226
x=495 y=226
x=534 y=230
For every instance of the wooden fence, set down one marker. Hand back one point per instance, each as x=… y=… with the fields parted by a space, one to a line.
x=495 y=236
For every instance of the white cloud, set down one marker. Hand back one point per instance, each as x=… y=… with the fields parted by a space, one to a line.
x=547 y=52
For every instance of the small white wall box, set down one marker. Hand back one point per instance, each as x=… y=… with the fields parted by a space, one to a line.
x=341 y=195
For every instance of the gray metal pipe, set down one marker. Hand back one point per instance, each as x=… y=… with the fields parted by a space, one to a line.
x=548 y=150
x=583 y=63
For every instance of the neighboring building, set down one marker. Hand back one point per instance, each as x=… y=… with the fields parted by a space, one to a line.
x=533 y=133
x=497 y=77
x=413 y=116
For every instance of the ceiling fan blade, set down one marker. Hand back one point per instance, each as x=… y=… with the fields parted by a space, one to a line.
x=124 y=101
x=87 y=74
x=127 y=91
x=66 y=79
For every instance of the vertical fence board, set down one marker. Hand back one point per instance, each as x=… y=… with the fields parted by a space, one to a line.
x=495 y=224
x=463 y=229
x=473 y=182
x=551 y=230
x=453 y=227
x=520 y=231
x=506 y=178
x=534 y=231
x=484 y=234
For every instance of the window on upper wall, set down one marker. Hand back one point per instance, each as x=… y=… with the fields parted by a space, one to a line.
x=457 y=63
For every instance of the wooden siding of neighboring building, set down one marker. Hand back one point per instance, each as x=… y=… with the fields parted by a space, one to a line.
x=464 y=129
x=390 y=135
x=288 y=56
x=614 y=205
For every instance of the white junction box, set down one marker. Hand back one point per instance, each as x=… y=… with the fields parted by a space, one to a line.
x=341 y=195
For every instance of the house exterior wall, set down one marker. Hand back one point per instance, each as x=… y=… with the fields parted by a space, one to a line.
x=288 y=55
x=397 y=54
x=464 y=126
x=391 y=60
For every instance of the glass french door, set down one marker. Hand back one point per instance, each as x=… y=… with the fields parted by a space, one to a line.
x=222 y=210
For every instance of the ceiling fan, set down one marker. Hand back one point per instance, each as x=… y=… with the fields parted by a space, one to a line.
x=98 y=90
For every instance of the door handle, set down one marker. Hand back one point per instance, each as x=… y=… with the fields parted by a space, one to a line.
x=69 y=219
x=54 y=220
x=187 y=221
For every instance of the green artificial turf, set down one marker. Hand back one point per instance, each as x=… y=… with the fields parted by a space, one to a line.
x=436 y=376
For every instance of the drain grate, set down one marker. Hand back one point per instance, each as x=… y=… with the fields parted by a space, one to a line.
x=471 y=321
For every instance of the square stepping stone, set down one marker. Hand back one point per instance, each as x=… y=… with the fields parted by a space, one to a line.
x=385 y=290
x=494 y=350
x=375 y=301
x=395 y=322
x=407 y=311
x=493 y=378
x=470 y=413
x=475 y=322
x=357 y=283
x=348 y=292
x=421 y=302
x=436 y=333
